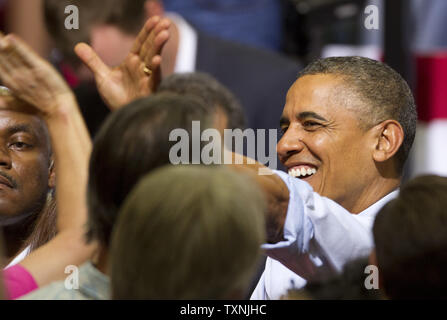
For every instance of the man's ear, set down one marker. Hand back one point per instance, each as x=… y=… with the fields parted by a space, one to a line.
x=389 y=136
x=153 y=8
x=52 y=174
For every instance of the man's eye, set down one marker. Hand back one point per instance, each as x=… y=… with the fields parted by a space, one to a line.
x=20 y=145
x=310 y=124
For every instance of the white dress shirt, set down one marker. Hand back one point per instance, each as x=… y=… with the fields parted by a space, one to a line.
x=187 y=46
x=320 y=237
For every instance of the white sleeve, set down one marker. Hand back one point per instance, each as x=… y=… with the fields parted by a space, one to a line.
x=319 y=233
x=259 y=292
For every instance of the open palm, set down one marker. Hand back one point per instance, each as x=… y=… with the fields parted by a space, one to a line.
x=127 y=82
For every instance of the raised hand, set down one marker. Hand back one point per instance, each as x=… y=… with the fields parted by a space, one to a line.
x=129 y=81
x=31 y=78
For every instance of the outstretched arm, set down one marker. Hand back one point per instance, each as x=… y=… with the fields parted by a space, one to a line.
x=275 y=192
x=300 y=222
x=127 y=82
x=36 y=82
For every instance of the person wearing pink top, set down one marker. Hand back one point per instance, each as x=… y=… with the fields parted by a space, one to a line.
x=18 y=281
x=39 y=90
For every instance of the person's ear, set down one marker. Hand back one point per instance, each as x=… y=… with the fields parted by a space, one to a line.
x=389 y=136
x=52 y=174
x=153 y=8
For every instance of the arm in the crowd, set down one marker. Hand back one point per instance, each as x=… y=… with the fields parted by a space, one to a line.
x=275 y=192
x=120 y=85
x=35 y=81
x=301 y=224
x=26 y=19
x=319 y=233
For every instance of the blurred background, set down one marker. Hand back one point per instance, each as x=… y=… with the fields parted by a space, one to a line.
x=411 y=37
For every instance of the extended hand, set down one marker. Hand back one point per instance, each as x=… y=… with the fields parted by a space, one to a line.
x=127 y=82
x=30 y=77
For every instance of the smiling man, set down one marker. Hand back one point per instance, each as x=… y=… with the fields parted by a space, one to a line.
x=331 y=138
x=348 y=125
x=26 y=177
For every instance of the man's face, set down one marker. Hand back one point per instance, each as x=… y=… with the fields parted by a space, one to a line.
x=24 y=165
x=322 y=141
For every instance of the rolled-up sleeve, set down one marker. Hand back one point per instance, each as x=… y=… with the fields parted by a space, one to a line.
x=318 y=232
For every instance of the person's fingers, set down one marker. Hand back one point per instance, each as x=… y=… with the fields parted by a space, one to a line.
x=5 y=61
x=29 y=66
x=20 y=54
x=89 y=57
x=155 y=78
x=135 y=68
x=155 y=62
x=154 y=46
x=157 y=46
x=145 y=86
x=30 y=77
x=141 y=38
x=163 y=25
x=6 y=53
x=147 y=48
x=8 y=68
x=5 y=77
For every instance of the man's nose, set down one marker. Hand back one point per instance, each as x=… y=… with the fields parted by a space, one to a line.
x=290 y=143
x=5 y=158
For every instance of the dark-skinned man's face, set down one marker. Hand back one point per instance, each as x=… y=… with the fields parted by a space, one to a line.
x=322 y=140
x=25 y=159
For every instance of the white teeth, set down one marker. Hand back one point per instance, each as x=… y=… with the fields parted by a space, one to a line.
x=302 y=172
x=296 y=173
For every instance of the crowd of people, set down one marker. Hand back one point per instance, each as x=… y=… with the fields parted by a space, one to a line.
x=104 y=196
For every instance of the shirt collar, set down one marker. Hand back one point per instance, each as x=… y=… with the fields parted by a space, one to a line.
x=375 y=208
x=187 y=47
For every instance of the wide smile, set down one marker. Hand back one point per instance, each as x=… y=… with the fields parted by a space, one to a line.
x=302 y=171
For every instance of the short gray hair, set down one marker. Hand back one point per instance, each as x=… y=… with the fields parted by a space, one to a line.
x=383 y=92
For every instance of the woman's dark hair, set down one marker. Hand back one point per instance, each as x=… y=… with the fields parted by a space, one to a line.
x=133 y=141
x=410 y=235
x=45 y=225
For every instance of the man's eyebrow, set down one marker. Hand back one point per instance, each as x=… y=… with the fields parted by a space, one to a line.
x=20 y=128
x=283 y=121
x=309 y=114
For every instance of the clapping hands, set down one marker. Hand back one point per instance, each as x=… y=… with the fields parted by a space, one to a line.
x=31 y=78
